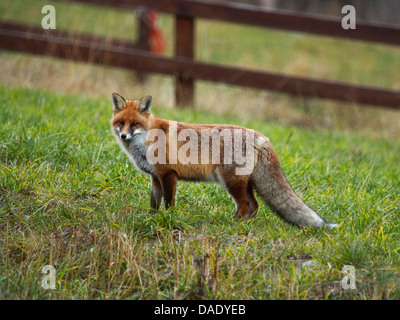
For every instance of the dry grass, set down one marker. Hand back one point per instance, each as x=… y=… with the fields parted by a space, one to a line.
x=98 y=82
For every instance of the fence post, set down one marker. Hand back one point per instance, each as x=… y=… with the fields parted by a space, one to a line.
x=184 y=47
x=144 y=37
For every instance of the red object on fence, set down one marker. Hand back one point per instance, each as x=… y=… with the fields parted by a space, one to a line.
x=157 y=39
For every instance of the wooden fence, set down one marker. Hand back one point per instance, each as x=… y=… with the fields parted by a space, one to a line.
x=182 y=65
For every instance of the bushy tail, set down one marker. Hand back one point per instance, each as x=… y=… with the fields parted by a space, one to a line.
x=273 y=187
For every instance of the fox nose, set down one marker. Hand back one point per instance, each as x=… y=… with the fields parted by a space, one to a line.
x=123 y=136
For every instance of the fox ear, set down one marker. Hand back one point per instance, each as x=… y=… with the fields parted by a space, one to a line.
x=144 y=105
x=118 y=102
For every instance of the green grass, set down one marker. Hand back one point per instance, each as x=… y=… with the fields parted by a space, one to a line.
x=70 y=198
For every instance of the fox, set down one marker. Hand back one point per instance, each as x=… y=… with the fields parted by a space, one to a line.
x=134 y=126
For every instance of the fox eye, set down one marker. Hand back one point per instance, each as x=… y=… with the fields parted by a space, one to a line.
x=134 y=124
x=120 y=122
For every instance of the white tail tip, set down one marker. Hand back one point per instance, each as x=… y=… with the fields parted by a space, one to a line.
x=331 y=226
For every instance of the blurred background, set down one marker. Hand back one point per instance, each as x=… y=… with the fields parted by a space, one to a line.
x=387 y=11
x=290 y=53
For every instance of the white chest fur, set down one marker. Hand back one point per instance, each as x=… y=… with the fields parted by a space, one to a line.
x=136 y=150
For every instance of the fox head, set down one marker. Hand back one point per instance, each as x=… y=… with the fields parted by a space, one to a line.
x=131 y=119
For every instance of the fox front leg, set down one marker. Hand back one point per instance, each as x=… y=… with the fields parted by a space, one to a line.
x=168 y=183
x=156 y=194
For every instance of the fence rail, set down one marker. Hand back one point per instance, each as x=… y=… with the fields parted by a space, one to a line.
x=261 y=17
x=99 y=50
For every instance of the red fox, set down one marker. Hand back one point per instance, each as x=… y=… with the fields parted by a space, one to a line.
x=169 y=151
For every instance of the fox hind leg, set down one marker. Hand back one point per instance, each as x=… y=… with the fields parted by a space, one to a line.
x=242 y=193
x=253 y=204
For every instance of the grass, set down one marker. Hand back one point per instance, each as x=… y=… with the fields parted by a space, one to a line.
x=70 y=198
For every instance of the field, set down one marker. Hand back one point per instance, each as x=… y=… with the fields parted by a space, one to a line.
x=71 y=199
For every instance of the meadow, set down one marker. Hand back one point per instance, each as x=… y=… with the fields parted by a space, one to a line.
x=71 y=199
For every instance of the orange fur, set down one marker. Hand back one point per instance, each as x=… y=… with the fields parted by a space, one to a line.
x=132 y=121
